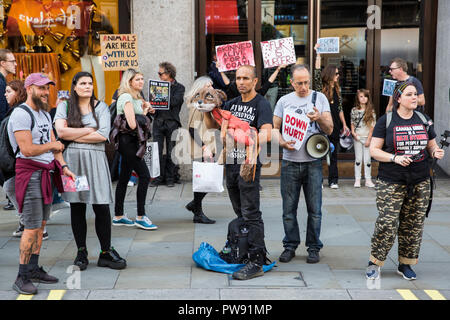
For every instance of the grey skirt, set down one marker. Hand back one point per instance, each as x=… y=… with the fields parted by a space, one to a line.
x=85 y=159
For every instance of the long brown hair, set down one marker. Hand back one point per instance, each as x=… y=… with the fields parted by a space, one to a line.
x=368 y=116
x=21 y=93
x=328 y=75
x=74 y=112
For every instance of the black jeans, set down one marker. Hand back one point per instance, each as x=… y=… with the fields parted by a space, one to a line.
x=244 y=198
x=128 y=147
x=162 y=132
x=333 y=174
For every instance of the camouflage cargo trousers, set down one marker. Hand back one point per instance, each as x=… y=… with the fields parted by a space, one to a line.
x=399 y=214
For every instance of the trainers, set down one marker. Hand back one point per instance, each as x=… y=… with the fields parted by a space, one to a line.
x=124 y=221
x=145 y=224
x=313 y=256
x=19 y=231
x=23 y=285
x=60 y=205
x=334 y=186
x=369 y=183
x=45 y=235
x=373 y=272
x=9 y=206
x=111 y=259
x=406 y=271
x=81 y=261
x=249 y=271
x=357 y=183
x=130 y=184
x=38 y=274
x=287 y=255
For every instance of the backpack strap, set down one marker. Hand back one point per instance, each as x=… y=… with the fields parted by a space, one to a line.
x=32 y=123
x=314 y=98
x=388 y=119
x=424 y=120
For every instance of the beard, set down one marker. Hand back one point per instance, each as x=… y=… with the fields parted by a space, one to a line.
x=38 y=102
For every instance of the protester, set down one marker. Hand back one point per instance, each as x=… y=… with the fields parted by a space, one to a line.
x=84 y=123
x=215 y=75
x=15 y=95
x=363 y=120
x=203 y=150
x=399 y=71
x=298 y=169
x=165 y=123
x=134 y=108
x=254 y=109
x=328 y=84
x=39 y=165
x=403 y=185
x=8 y=66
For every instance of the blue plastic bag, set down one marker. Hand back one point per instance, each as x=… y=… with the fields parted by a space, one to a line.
x=208 y=258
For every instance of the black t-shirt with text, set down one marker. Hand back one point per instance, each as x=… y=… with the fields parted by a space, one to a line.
x=405 y=137
x=257 y=112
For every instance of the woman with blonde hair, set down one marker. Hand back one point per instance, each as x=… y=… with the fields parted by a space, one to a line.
x=131 y=104
x=201 y=150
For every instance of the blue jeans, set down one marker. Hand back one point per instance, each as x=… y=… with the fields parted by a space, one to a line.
x=294 y=176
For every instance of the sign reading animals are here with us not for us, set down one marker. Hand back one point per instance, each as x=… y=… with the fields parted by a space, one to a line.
x=119 y=52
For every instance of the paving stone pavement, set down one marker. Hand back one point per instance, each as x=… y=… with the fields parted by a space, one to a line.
x=160 y=264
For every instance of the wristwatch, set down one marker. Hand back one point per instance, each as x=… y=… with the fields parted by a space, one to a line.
x=393 y=158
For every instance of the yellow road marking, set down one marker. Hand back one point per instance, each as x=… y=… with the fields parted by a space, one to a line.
x=407 y=294
x=25 y=297
x=56 y=294
x=435 y=295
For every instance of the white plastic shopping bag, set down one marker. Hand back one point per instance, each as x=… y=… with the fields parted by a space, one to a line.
x=151 y=158
x=207 y=177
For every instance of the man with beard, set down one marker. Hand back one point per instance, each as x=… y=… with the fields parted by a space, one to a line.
x=252 y=107
x=38 y=165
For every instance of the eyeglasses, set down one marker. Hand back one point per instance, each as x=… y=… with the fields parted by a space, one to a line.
x=337 y=73
x=13 y=61
x=305 y=83
x=161 y=73
x=390 y=69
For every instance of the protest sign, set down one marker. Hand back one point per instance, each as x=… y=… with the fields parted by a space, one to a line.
x=277 y=52
x=159 y=94
x=232 y=56
x=295 y=126
x=119 y=52
x=328 y=45
x=388 y=87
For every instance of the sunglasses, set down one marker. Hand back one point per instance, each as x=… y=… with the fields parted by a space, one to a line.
x=161 y=73
x=390 y=69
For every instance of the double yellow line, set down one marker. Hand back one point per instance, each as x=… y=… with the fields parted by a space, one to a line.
x=53 y=295
x=409 y=295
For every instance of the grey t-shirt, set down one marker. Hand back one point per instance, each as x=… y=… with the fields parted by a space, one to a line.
x=20 y=120
x=294 y=102
x=101 y=111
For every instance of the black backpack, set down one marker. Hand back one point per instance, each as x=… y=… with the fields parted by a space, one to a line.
x=236 y=248
x=7 y=155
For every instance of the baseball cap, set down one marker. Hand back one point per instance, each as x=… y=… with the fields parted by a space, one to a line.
x=37 y=79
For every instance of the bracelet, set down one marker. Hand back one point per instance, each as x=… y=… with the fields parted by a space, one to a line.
x=393 y=158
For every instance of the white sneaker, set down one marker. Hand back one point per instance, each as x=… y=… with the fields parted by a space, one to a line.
x=334 y=186
x=130 y=184
x=145 y=223
x=357 y=183
x=369 y=183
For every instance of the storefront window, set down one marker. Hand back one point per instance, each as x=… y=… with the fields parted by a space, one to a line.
x=60 y=38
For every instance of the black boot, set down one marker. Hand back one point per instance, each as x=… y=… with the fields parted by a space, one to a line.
x=81 y=261
x=199 y=215
x=111 y=259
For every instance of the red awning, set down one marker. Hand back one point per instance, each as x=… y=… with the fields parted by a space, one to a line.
x=222 y=17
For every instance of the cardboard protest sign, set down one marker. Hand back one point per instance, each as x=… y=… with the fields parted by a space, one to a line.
x=232 y=56
x=328 y=45
x=295 y=126
x=119 y=52
x=388 y=87
x=277 y=52
x=159 y=94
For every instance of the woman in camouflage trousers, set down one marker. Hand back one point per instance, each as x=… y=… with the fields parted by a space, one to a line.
x=402 y=142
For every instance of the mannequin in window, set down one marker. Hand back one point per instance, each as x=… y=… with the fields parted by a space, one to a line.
x=93 y=24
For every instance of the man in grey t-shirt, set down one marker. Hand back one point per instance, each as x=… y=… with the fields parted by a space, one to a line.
x=298 y=169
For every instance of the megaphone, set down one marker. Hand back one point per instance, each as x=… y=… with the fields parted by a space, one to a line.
x=317 y=146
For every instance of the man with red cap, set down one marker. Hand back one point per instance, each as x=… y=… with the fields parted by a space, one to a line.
x=39 y=165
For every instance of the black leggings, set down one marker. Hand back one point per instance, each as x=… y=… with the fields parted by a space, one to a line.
x=102 y=224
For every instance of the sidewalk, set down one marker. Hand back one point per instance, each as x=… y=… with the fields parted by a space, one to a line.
x=160 y=264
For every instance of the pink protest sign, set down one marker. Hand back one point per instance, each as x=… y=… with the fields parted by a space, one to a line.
x=232 y=56
x=277 y=52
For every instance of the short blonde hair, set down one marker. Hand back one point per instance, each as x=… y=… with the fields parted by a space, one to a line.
x=125 y=86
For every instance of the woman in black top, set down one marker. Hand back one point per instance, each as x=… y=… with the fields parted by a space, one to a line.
x=402 y=141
